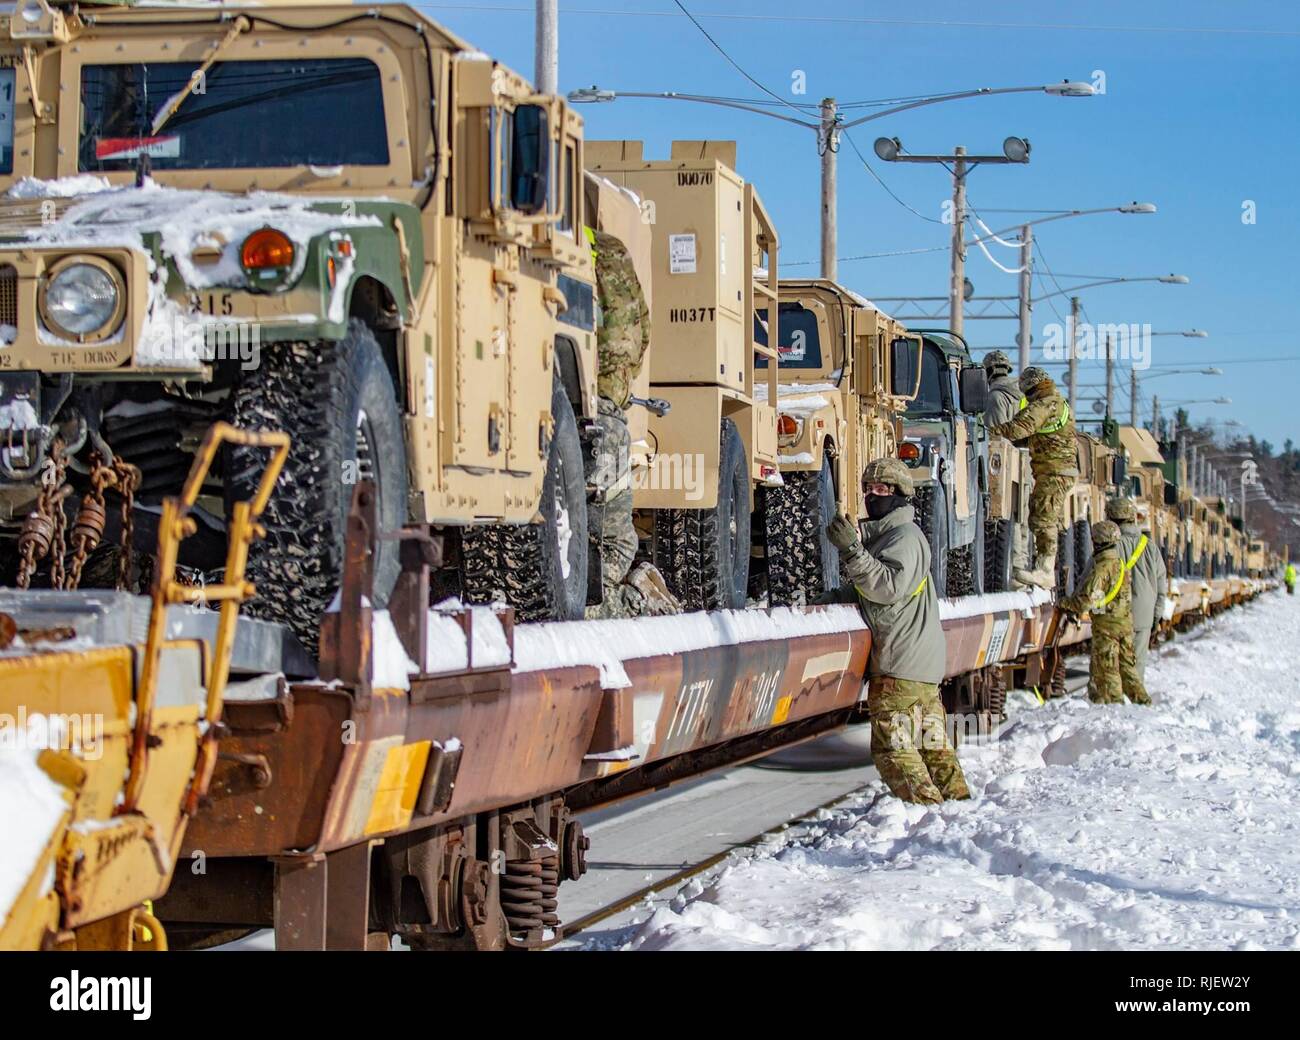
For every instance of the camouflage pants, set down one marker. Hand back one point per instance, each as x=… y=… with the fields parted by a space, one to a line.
x=1047 y=511
x=909 y=741
x=616 y=534
x=1113 y=672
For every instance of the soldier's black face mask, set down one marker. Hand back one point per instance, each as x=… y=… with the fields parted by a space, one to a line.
x=880 y=506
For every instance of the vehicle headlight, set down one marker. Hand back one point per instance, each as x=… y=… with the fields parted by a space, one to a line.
x=82 y=300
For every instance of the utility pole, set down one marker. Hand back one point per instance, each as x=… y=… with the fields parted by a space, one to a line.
x=957 y=291
x=1025 y=337
x=1110 y=379
x=1133 y=397
x=829 y=145
x=1074 y=356
x=1155 y=415
x=546 y=57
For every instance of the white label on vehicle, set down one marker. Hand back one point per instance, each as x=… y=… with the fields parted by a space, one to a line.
x=997 y=640
x=681 y=254
x=428 y=387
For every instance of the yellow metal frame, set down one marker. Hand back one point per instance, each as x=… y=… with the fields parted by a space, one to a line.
x=175 y=526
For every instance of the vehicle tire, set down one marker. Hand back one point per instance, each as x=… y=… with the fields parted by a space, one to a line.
x=1082 y=547
x=539 y=569
x=336 y=401
x=1065 y=574
x=999 y=554
x=802 y=564
x=966 y=564
x=703 y=554
x=931 y=503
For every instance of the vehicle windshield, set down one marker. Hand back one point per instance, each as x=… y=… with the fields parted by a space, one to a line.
x=242 y=114
x=8 y=78
x=800 y=345
x=929 y=399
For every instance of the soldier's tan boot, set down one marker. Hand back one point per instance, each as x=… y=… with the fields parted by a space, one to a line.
x=647 y=580
x=1043 y=576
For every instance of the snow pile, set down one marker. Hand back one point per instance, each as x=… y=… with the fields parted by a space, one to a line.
x=992 y=603
x=445 y=642
x=63 y=188
x=33 y=805
x=607 y=644
x=390 y=667
x=1090 y=828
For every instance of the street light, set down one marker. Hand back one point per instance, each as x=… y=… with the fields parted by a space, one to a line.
x=828 y=130
x=1155 y=400
x=1014 y=150
x=1024 y=337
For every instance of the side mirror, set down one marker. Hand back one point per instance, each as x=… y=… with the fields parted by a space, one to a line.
x=530 y=160
x=905 y=367
x=1118 y=470
x=974 y=390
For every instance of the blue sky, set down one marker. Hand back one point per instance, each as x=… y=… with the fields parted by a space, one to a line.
x=1199 y=116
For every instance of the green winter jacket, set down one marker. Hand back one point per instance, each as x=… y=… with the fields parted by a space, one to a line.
x=1105 y=594
x=891 y=573
x=1047 y=424
x=1005 y=400
x=1147 y=574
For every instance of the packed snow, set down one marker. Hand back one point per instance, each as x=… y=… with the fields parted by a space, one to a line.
x=1091 y=827
x=34 y=806
x=607 y=644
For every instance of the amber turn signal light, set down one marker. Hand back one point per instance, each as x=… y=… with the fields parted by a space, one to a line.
x=787 y=425
x=266 y=249
x=909 y=452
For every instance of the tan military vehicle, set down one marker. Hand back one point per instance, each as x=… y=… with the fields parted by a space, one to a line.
x=1006 y=528
x=350 y=225
x=847 y=372
x=714 y=274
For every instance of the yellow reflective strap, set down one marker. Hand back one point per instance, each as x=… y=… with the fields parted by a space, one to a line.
x=1059 y=423
x=1024 y=401
x=1137 y=553
x=590 y=232
x=918 y=590
x=1115 y=591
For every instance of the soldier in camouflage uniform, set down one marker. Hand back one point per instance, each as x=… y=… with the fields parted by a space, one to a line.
x=891 y=573
x=1047 y=424
x=1147 y=574
x=622 y=338
x=1105 y=593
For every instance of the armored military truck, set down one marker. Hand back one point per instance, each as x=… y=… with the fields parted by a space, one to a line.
x=945 y=444
x=714 y=271
x=847 y=372
x=345 y=223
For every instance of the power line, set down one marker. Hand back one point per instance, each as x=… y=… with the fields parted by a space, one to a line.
x=732 y=61
x=858 y=152
x=866 y=256
x=933 y=23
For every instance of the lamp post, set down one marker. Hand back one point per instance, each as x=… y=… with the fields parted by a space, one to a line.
x=829 y=127
x=1014 y=150
x=1024 y=337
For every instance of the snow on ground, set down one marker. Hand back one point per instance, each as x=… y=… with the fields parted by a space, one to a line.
x=1090 y=828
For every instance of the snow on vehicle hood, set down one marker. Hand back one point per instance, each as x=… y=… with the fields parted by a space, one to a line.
x=184 y=220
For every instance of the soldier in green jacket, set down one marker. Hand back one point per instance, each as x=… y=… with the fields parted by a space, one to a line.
x=1147 y=574
x=891 y=573
x=1106 y=595
x=622 y=338
x=1047 y=424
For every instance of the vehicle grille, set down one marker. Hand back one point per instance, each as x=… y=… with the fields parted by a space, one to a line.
x=8 y=295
